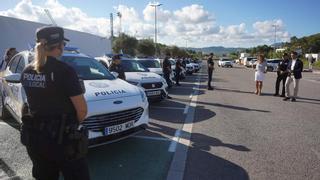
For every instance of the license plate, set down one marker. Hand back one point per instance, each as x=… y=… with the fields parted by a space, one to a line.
x=118 y=128
x=153 y=93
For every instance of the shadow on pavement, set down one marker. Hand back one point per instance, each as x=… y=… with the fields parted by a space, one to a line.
x=203 y=164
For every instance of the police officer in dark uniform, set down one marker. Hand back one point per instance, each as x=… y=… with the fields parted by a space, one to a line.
x=210 y=70
x=282 y=74
x=50 y=130
x=178 y=71
x=166 y=69
x=117 y=67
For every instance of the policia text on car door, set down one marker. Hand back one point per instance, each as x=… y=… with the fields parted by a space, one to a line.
x=50 y=129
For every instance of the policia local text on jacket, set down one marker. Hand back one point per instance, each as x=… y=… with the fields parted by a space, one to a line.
x=50 y=130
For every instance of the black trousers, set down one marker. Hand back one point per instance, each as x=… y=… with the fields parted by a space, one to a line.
x=167 y=78
x=177 y=77
x=209 y=77
x=48 y=160
x=281 y=77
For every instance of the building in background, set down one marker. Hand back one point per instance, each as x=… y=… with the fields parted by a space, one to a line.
x=21 y=35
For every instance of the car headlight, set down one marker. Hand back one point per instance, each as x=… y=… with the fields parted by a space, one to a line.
x=143 y=95
x=133 y=83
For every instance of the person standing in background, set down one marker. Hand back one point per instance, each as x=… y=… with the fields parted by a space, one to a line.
x=295 y=68
x=7 y=57
x=261 y=69
x=282 y=74
x=210 y=70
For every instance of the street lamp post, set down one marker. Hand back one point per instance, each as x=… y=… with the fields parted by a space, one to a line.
x=155 y=5
x=275 y=34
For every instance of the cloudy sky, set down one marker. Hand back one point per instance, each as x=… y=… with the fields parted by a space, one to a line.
x=197 y=23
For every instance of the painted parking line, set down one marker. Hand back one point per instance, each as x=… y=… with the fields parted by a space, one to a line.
x=175 y=139
x=178 y=162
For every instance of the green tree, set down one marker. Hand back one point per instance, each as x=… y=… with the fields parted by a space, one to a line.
x=146 y=47
x=125 y=43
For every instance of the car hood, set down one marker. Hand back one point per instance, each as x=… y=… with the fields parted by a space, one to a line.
x=143 y=77
x=97 y=90
x=156 y=70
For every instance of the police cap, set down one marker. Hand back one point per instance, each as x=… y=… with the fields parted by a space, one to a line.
x=52 y=34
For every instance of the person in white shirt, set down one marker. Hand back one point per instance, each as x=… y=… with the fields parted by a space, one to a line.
x=295 y=68
x=310 y=60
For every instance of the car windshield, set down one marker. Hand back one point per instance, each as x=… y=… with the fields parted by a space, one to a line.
x=87 y=68
x=150 y=63
x=133 y=66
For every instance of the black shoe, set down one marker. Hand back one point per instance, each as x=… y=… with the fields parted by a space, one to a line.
x=282 y=95
x=169 y=97
x=210 y=88
x=178 y=84
x=286 y=98
x=276 y=94
x=293 y=100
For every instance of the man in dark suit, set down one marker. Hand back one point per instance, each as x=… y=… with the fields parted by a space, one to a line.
x=295 y=68
x=282 y=74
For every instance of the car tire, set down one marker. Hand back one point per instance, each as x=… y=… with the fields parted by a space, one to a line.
x=5 y=114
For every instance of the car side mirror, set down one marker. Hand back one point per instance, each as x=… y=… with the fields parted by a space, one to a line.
x=13 y=78
x=115 y=74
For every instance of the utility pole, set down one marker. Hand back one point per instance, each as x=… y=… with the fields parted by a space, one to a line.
x=120 y=16
x=111 y=26
x=155 y=5
x=275 y=34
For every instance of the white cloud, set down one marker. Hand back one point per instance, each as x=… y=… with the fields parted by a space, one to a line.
x=193 y=14
x=193 y=24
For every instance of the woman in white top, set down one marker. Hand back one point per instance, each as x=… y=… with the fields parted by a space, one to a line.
x=261 y=69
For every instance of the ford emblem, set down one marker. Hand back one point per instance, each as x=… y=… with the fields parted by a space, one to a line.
x=117 y=102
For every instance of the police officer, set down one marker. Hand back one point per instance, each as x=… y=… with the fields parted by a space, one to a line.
x=178 y=71
x=282 y=74
x=50 y=129
x=210 y=70
x=117 y=67
x=166 y=69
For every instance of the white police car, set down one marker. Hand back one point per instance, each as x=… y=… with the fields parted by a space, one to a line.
x=116 y=109
x=153 y=65
x=153 y=84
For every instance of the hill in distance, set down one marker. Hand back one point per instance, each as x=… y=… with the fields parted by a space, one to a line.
x=218 y=50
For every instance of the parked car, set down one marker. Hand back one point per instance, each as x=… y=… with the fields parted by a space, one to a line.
x=272 y=64
x=225 y=62
x=253 y=63
x=116 y=109
x=153 y=84
x=152 y=64
x=247 y=60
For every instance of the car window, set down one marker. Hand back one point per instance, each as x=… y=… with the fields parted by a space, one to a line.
x=88 y=68
x=21 y=65
x=150 y=63
x=14 y=63
x=133 y=66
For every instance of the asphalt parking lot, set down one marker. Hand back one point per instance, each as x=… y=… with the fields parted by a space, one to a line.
x=228 y=133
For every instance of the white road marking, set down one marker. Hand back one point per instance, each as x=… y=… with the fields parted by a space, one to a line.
x=191 y=95
x=182 y=142
x=175 y=139
x=186 y=109
x=153 y=138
